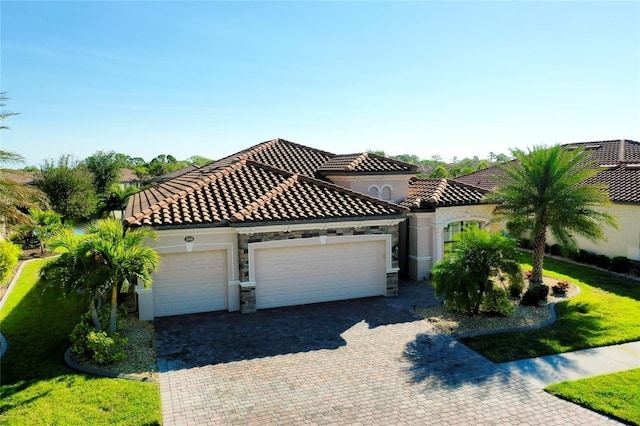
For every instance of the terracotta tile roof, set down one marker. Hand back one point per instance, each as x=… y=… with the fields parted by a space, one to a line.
x=623 y=183
x=128 y=175
x=365 y=163
x=18 y=176
x=488 y=178
x=610 y=152
x=435 y=192
x=284 y=155
x=619 y=161
x=246 y=191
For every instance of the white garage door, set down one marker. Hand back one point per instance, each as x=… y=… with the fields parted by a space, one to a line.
x=188 y=283
x=320 y=273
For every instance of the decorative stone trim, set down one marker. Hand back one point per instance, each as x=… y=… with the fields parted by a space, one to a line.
x=248 y=297
x=245 y=239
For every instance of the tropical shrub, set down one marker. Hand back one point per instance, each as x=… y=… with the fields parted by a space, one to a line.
x=603 y=261
x=9 y=254
x=515 y=287
x=555 y=249
x=497 y=303
x=535 y=295
x=89 y=342
x=620 y=264
x=468 y=273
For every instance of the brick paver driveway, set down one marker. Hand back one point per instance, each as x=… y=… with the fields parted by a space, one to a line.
x=367 y=361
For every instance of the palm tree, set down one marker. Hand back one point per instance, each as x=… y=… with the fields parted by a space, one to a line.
x=543 y=190
x=76 y=270
x=14 y=195
x=45 y=223
x=125 y=256
x=115 y=200
x=466 y=275
x=109 y=258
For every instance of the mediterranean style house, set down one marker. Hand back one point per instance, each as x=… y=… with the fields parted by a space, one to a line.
x=618 y=165
x=282 y=224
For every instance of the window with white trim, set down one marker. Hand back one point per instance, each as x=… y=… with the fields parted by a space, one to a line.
x=453 y=229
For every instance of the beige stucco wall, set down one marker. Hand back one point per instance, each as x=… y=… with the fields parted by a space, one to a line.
x=426 y=239
x=624 y=241
x=398 y=185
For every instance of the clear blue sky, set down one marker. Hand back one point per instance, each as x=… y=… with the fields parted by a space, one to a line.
x=211 y=78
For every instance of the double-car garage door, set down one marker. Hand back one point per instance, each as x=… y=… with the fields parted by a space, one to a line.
x=298 y=275
x=284 y=276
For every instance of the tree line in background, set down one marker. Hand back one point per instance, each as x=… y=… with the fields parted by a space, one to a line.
x=88 y=188
x=436 y=167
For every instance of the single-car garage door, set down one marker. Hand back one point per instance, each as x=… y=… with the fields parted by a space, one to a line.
x=298 y=275
x=188 y=283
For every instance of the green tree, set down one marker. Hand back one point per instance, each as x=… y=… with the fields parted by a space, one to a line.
x=14 y=197
x=69 y=187
x=105 y=167
x=108 y=259
x=45 y=224
x=544 y=191
x=4 y=114
x=199 y=160
x=115 y=200
x=125 y=255
x=77 y=269
x=467 y=275
x=439 y=172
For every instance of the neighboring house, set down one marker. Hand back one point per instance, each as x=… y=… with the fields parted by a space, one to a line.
x=128 y=179
x=265 y=228
x=618 y=162
x=171 y=175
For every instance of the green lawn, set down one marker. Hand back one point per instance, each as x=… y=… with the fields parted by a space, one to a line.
x=37 y=386
x=616 y=394
x=605 y=313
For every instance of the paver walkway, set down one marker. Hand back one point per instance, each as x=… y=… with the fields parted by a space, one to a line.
x=366 y=361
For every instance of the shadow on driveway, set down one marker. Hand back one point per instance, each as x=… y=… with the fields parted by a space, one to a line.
x=211 y=338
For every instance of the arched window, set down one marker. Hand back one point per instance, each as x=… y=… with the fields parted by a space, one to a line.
x=385 y=192
x=374 y=191
x=453 y=229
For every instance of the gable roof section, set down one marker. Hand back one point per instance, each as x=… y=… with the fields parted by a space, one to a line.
x=283 y=155
x=434 y=192
x=618 y=161
x=366 y=162
x=246 y=191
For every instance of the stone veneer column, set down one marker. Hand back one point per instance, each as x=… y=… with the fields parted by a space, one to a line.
x=392 y=284
x=247 y=298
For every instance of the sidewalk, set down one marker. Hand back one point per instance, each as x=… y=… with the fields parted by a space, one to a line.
x=543 y=371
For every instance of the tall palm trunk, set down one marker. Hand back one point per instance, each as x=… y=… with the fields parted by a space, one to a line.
x=540 y=239
x=113 y=318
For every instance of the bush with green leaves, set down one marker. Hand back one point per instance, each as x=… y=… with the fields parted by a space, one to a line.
x=468 y=273
x=516 y=286
x=89 y=342
x=497 y=303
x=620 y=264
x=535 y=295
x=9 y=254
x=603 y=261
